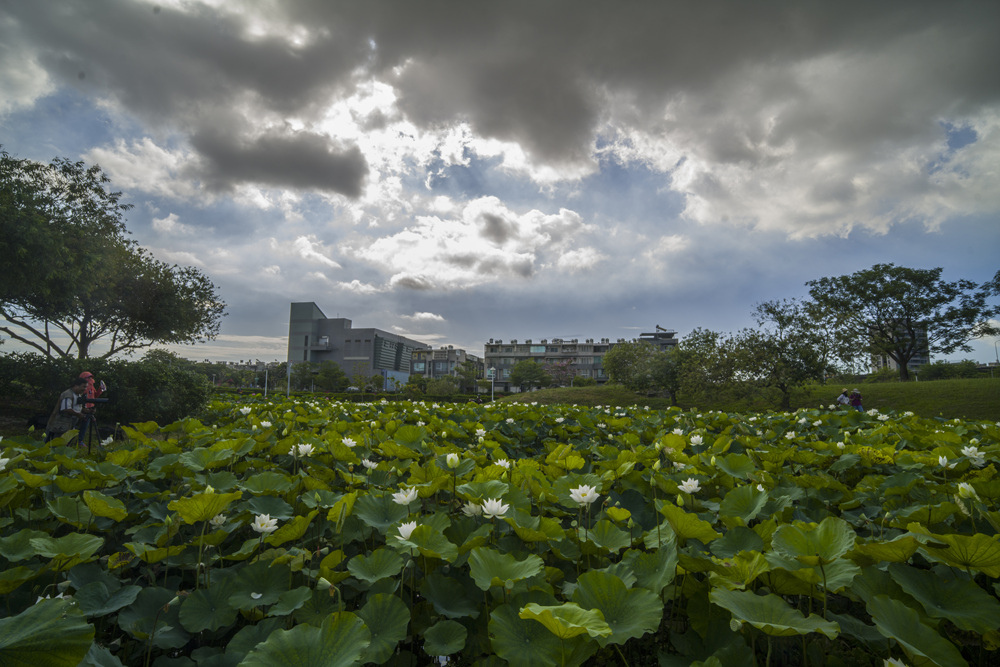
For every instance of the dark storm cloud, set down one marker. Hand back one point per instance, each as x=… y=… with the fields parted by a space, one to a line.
x=301 y=160
x=498 y=230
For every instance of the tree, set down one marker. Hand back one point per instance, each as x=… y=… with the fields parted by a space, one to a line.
x=785 y=352
x=331 y=377
x=708 y=362
x=70 y=277
x=665 y=372
x=528 y=373
x=560 y=372
x=467 y=373
x=888 y=310
x=628 y=364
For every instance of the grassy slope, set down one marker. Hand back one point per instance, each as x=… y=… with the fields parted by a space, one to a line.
x=969 y=399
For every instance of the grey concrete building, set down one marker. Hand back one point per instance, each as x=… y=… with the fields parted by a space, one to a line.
x=442 y=361
x=314 y=337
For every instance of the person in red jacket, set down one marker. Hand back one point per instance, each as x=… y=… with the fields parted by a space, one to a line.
x=94 y=390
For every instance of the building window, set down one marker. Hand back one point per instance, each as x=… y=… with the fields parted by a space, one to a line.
x=306 y=342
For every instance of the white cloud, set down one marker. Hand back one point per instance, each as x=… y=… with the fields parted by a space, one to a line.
x=171 y=225
x=423 y=317
x=311 y=250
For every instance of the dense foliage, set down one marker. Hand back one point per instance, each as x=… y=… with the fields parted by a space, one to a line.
x=71 y=277
x=305 y=532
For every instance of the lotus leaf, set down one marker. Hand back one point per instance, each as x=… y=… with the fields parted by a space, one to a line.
x=48 y=634
x=451 y=597
x=106 y=506
x=687 y=525
x=653 y=570
x=771 y=614
x=814 y=544
x=387 y=619
x=98 y=599
x=339 y=642
x=489 y=567
x=897 y=621
x=380 y=564
x=208 y=608
x=525 y=643
x=445 y=638
x=945 y=596
x=629 y=613
x=202 y=506
x=379 y=512
x=567 y=620
x=291 y=530
x=978 y=552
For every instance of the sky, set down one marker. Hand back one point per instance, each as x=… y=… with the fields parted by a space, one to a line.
x=460 y=171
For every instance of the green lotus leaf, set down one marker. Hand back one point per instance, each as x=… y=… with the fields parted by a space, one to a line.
x=98 y=656
x=813 y=544
x=844 y=462
x=12 y=577
x=687 y=525
x=735 y=465
x=71 y=510
x=450 y=597
x=489 y=567
x=742 y=569
x=273 y=506
x=96 y=599
x=106 y=506
x=387 y=619
x=867 y=634
x=152 y=554
x=898 y=550
x=526 y=643
x=18 y=546
x=339 y=642
x=291 y=530
x=289 y=601
x=409 y=435
x=897 y=621
x=201 y=459
x=73 y=545
x=660 y=536
x=771 y=614
x=268 y=483
x=314 y=610
x=430 y=542
x=653 y=570
x=152 y=618
x=943 y=595
x=977 y=552
x=737 y=539
x=379 y=512
x=202 y=506
x=609 y=537
x=382 y=563
x=445 y=638
x=567 y=620
x=258 y=584
x=535 y=528
x=208 y=608
x=629 y=613
x=248 y=637
x=48 y=634
x=476 y=491
x=743 y=502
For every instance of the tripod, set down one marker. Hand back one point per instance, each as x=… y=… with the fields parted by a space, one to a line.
x=87 y=428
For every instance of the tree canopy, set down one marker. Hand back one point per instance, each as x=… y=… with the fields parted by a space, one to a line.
x=528 y=373
x=898 y=312
x=70 y=276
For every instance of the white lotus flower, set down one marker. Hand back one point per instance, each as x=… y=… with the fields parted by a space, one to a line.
x=218 y=521
x=264 y=524
x=503 y=463
x=406 y=529
x=107 y=441
x=841 y=445
x=602 y=425
x=893 y=662
x=818 y=422
x=696 y=440
x=452 y=460
x=350 y=442
x=509 y=420
x=584 y=495
x=480 y=432
x=790 y=435
x=883 y=418
x=560 y=420
x=943 y=462
x=472 y=509
x=245 y=411
x=677 y=431
x=965 y=490
x=679 y=466
x=760 y=487
x=265 y=424
x=3 y=463
x=405 y=497
x=371 y=465
x=303 y=449
x=690 y=485
x=974 y=455
x=493 y=508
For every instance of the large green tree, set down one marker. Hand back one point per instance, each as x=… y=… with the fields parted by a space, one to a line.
x=528 y=373
x=70 y=276
x=888 y=310
x=628 y=364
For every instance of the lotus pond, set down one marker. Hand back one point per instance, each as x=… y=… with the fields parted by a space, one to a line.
x=306 y=532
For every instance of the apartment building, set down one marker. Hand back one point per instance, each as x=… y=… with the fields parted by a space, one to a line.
x=442 y=361
x=581 y=358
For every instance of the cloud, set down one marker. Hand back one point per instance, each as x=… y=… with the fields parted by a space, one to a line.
x=423 y=317
x=171 y=225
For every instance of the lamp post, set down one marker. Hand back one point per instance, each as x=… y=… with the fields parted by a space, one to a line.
x=493 y=378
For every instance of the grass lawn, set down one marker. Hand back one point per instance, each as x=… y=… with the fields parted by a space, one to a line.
x=968 y=399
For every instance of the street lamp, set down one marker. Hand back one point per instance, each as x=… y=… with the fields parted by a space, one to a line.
x=493 y=378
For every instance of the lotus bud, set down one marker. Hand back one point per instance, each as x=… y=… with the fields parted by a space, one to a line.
x=209 y=489
x=322 y=584
x=657 y=466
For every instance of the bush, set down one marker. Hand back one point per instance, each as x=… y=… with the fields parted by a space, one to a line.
x=159 y=388
x=943 y=370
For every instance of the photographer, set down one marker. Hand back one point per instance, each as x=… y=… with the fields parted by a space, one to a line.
x=93 y=390
x=65 y=415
